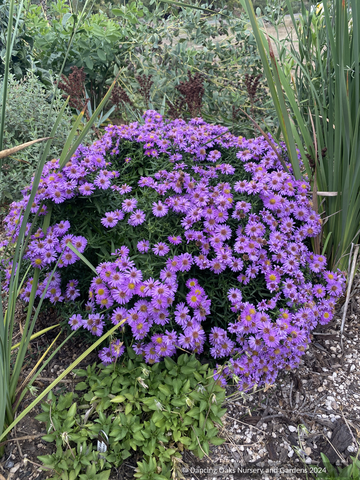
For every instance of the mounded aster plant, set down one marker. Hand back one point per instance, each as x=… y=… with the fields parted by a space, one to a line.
x=200 y=239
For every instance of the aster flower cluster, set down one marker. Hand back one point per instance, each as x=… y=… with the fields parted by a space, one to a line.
x=225 y=242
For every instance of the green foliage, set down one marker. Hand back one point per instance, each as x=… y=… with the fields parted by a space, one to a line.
x=130 y=406
x=94 y=47
x=26 y=116
x=351 y=472
x=137 y=41
x=222 y=49
x=20 y=59
x=325 y=115
x=11 y=393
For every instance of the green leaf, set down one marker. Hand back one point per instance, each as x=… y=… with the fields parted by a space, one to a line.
x=104 y=475
x=187 y=370
x=65 y=18
x=216 y=441
x=185 y=441
x=49 y=438
x=164 y=389
x=187 y=420
x=89 y=63
x=203 y=405
x=169 y=363
x=178 y=402
x=177 y=383
x=81 y=386
x=101 y=55
x=117 y=11
x=72 y=411
x=128 y=408
x=138 y=436
x=186 y=386
x=157 y=416
x=42 y=417
x=194 y=412
x=46 y=459
x=118 y=399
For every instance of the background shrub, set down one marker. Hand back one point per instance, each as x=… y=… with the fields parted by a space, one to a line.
x=26 y=117
x=142 y=43
x=20 y=59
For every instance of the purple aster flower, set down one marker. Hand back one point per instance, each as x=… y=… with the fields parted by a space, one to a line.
x=217 y=335
x=159 y=209
x=151 y=356
x=319 y=291
x=160 y=249
x=234 y=295
x=175 y=240
x=61 y=228
x=129 y=204
x=105 y=355
x=75 y=321
x=110 y=219
x=137 y=218
x=217 y=266
x=124 y=189
x=118 y=315
x=143 y=246
x=86 y=189
x=102 y=182
x=185 y=262
x=117 y=349
x=71 y=291
x=167 y=275
x=94 y=324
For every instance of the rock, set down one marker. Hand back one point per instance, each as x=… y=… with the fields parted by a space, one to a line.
x=9 y=464
x=292 y=428
x=15 y=468
x=341 y=438
x=270 y=446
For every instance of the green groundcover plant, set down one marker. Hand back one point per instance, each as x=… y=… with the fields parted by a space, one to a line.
x=200 y=241
x=130 y=407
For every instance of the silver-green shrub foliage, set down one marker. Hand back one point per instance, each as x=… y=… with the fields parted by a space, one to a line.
x=27 y=113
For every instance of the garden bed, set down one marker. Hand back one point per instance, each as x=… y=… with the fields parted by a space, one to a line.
x=260 y=429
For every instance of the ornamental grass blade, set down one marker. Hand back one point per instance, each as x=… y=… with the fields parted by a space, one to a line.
x=89 y=124
x=11 y=151
x=6 y=76
x=37 y=334
x=266 y=136
x=71 y=136
x=59 y=378
x=81 y=256
x=34 y=369
x=275 y=88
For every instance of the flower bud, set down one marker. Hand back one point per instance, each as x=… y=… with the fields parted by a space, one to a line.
x=142 y=383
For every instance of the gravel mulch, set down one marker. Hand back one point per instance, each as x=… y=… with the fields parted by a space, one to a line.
x=278 y=433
